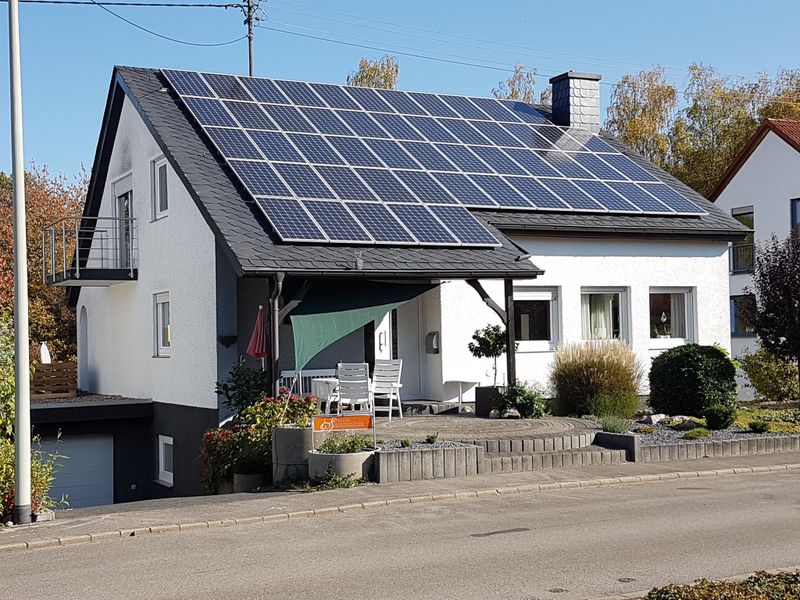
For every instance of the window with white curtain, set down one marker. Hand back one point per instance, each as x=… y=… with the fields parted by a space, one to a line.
x=603 y=315
x=671 y=315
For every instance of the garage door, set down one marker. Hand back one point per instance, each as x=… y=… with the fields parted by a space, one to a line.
x=86 y=474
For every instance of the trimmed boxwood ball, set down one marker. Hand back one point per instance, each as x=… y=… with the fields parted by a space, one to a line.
x=685 y=380
x=719 y=416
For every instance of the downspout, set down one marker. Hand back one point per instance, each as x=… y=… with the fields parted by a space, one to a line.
x=275 y=300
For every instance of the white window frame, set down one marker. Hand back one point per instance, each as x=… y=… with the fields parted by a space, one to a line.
x=165 y=477
x=155 y=189
x=691 y=318
x=541 y=293
x=624 y=311
x=159 y=349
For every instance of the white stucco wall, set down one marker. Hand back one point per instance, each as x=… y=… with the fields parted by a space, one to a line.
x=571 y=264
x=176 y=255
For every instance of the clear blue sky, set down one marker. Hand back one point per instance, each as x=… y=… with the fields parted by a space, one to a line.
x=69 y=51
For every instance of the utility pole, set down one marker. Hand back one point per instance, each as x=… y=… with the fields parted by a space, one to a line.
x=249 y=21
x=22 y=432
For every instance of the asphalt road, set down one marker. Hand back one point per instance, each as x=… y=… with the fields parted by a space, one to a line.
x=583 y=543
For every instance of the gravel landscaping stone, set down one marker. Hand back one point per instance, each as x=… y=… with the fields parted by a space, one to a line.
x=665 y=435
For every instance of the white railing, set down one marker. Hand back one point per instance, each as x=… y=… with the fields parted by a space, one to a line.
x=75 y=243
x=301 y=384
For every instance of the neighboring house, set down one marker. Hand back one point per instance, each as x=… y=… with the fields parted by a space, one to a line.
x=424 y=218
x=761 y=189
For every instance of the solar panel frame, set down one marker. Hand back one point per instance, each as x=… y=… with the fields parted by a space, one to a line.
x=533 y=163
x=499 y=161
x=369 y=100
x=249 y=115
x=465 y=190
x=355 y=151
x=431 y=129
x=345 y=183
x=500 y=191
x=425 y=187
x=398 y=127
x=209 y=111
x=497 y=134
x=335 y=96
x=315 y=149
x=537 y=194
x=227 y=87
x=464 y=226
x=598 y=167
x=564 y=164
x=464 y=107
x=424 y=224
x=362 y=124
x=433 y=104
x=572 y=195
x=495 y=109
x=381 y=223
x=264 y=90
x=428 y=156
x=325 y=121
x=233 y=143
x=188 y=83
x=464 y=158
x=628 y=167
x=556 y=136
x=401 y=102
x=527 y=135
x=392 y=154
x=672 y=198
x=291 y=221
x=464 y=132
x=275 y=146
x=640 y=198
x=288 y=118
x=386 y=185
x=259 y=178
x=303 y=181
x=607 y=197
x=524 y=112
x=299 y=92
x=336 y=221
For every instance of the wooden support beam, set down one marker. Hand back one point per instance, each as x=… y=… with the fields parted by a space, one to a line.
x=297 y=298
x=476 y=285
x=511 y=350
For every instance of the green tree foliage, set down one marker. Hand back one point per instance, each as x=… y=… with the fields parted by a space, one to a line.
x=772 y=377
x=520 y=85
x=7 y=380
x=489 y=342
x=382 y=73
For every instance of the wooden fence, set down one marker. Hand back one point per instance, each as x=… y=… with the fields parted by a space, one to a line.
x=55 y=380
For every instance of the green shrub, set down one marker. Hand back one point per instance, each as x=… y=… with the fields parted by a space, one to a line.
x=330 y=481
x=530 y=402
x=773 y=378
x=643 y=429
x=42 y=469
x=405 y=443
x=761 y=586
x=685 y=380
x=759 y=427
x=582 y=372
x=7 y=382
x=614 y=424
x=243 y=387
x=719 y=416
x=431 y=438
x=345 y=444
x=697 y=433
x=610 y=403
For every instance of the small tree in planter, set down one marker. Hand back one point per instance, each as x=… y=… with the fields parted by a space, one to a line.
x=489 y=342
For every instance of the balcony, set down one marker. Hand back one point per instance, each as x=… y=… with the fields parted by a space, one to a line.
x=742 y=258
x=90 y=251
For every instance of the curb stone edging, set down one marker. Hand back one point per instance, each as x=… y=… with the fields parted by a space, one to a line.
x=496 y=492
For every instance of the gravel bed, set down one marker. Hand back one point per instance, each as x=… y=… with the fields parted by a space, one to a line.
x=416 y=445
x=665 y=435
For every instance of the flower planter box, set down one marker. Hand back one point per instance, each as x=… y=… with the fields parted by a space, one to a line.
x=357 y=464
x=487 y=398
x=290 y=448
x=247 y=482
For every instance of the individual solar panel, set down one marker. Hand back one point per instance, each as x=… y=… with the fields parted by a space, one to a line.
x=288 y=118
x=627 y=167
x=638 y=197
x=531 y=162
x=588 y=141
x=315 y=149
x=259 y=178
x=336 y=221
x=299 y=92
x=464 y=158
x=226 y=87
x=498 y=160
x=368 y=99
x=464 y=226
x=326 y=121
x=421 y=222
x=362 y=124
x=381 y=224
x=335 y=96
x=233 y=143
x=303 y=181
x=425 y=187
x=567 y=142
x=528 y=136
x=672 y=198
x=433 y=104
x=428 y=156
x=264 y=90
x=496 y=133
x=535 y=193
x=386 y=185
x=401 y=102
x=499 y=191
x=393 y=154
x=345 y=183
x=249 y=115
x=464 y=107
x=354 y=151
x=564 y=164
x=465 y=191
x=275 y=146
x=464 y=132
x=209 y=112
x=598 y=167
x=291 y=221
x=397 y=127
x=525 y=112
x=188 y=83
x=495 y=109
x=558 y=137
x=607 y=197
x=431 y=129
x=571 y=194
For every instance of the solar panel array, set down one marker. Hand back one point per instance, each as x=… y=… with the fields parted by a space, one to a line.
x=340 y=164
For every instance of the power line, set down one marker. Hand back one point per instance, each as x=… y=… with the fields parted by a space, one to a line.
x=139 y=4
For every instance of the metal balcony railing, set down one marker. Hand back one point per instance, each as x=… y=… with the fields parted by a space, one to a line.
x=92 y=248
x=742 y=258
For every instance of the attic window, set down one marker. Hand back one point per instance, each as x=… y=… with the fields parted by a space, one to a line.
x=160 y=188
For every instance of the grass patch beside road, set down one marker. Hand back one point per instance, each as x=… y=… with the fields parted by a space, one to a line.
x=760 y=586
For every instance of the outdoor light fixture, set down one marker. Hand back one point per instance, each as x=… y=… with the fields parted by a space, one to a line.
x=432 y=343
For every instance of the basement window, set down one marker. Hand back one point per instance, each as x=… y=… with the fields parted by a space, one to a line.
x=165 y=460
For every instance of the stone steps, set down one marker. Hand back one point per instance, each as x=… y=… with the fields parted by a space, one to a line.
x=511 y=462
x=535 y=444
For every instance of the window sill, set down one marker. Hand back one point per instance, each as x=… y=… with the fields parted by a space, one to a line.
x=528 y=347
x=159 y=218
x=666 y=343
x=161 y=356
x=744 y=336
x=166 y=484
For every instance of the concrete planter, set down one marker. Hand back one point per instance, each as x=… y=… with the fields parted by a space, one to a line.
x=357 y=464
x=428 y=463
x=246 y=483
x=487 y=398
x=290 y=448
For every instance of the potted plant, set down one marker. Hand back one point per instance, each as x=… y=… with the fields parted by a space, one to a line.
x=291 y=437
x=342 y=456
x=489 y=342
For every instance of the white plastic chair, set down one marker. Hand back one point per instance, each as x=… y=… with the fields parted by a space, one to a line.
x=353 y=386
x=386 y=385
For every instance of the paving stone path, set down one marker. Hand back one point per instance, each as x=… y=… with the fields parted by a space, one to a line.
x=454 y=427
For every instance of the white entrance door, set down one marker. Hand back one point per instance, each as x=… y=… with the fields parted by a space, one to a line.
x=409 y=348
x=86 y=475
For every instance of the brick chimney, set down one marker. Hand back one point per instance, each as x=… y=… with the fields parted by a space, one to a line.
x=576 y=100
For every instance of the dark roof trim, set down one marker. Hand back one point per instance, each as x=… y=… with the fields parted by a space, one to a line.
x=629 y=232
x=766 y=126
x=395 y=275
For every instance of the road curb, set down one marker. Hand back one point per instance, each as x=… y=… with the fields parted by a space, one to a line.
x=165 y=529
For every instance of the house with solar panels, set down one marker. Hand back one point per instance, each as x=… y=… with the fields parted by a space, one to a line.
x=412 y=218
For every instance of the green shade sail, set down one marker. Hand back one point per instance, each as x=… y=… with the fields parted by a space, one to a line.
x=330 y=311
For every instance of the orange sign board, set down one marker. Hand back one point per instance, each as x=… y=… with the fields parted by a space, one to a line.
x=341 y=422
